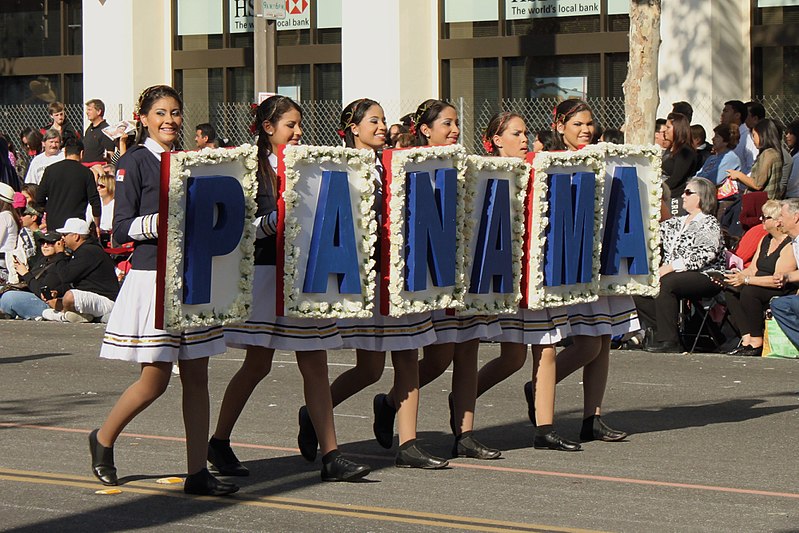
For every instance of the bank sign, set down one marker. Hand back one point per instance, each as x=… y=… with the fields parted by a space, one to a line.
x=527 y=9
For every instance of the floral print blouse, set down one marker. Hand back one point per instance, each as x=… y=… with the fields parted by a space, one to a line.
x=697 y=245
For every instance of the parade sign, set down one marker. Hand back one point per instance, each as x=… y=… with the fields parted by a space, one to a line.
x=423 y=246
x=495 y=191
x=326 y=233
x=207 y=209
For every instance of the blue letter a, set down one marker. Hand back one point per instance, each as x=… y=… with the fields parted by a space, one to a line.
x=570 y=236
x=333 y=249
x=206 y=237
x=430 y=229
x=624 y=226
x=493 y=256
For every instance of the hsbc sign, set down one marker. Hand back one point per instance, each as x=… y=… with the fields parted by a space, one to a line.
x=298 y=16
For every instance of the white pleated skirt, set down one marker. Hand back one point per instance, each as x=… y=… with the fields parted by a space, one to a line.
x=267 y=330
x=542 y=327
x=456 y=328
x=610 y=315
x=380 y=333
x=131 y=334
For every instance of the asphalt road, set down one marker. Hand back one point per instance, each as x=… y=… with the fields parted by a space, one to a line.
x=713 y=448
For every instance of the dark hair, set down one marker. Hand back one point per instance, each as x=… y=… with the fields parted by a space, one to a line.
x=207 y=131
x=352 y=115
x=547 y=139
x=427 y=113
x=73 y=147
x=147 y=98
x=613 y=135
x=769 y=135
x=755 y=109
x=737 y=106
x=34 y=139
x=561 y=115
x=793 y=129
x=698 y=132
x=659 y=123
x=401 y=128
x=682 y=132
x=270 y=110
x=684 y=108
x=55 y=107
x=497 y=126
x=729 y=133
x=407 y=120
x=98 y=105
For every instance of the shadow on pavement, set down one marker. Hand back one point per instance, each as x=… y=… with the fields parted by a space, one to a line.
x=32 y=357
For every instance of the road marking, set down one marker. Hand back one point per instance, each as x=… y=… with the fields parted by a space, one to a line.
x=384 y=514
x=567 y=475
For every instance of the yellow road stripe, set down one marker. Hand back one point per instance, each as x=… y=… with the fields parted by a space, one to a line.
x=384 y=514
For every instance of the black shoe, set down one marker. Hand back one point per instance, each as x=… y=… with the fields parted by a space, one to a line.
x=452 y=415
x=383 y=426
x=665 y=347
x=595 y=429
x=747 y=351
x=102 y=461
x=553 y=441
x=414 y=457
x=306 y=438
x=468 y=446
x=528 y=395
x=221 y=456
x=342 y=469
x=203 y=483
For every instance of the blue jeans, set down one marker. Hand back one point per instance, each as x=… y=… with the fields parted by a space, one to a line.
x=785 y=310
x=22 y=304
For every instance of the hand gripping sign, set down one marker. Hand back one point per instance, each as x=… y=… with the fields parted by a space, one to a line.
x=207 y=207
x=326 y=233
x=423 y=247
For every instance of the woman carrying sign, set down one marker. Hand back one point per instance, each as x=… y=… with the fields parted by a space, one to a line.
x=458 y=337
x=131 y=334
x=363 y=126
x=506 y=136
x=278 y=122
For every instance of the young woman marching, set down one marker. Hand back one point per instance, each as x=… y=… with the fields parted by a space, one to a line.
x=278 y=121
x=458 y=337
x=594 y=323
x=131 y=333
x=363 y=126
x=506 y=136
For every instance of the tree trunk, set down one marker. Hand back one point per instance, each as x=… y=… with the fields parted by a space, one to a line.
x=641 y=96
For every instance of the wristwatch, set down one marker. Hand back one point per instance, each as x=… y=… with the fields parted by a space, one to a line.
x=746 y=280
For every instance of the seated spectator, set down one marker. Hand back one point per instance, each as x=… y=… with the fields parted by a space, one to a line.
x=26 y=241
x=544 y=141
x=680 y=161
x=749 y=291
x=699 y=140
x=67 y=188
x=725 y=139
x=393 y=132
x=692 y=245
x=52 y=154
x=9 y=230
x=785 y=309
x=766 y=174
x=90 y=275
x=405 y=140
x=40 y=278
x=105 y=188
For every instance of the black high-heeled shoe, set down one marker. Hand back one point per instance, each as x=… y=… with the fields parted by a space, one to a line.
x=203 y=483
x=102 y=461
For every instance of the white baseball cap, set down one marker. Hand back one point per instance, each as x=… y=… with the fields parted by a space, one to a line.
x=74 y=225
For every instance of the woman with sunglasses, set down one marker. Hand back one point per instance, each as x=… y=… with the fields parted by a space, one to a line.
x=692 y=247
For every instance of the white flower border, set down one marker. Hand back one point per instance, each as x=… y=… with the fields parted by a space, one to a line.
x=399 y=302
x=520 y=172
x=539 y=297
x=359 y=162
x=175 y=317
x=651 y=285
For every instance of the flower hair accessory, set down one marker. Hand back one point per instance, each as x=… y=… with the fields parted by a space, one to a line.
x=340 y=132
x=136 y=116
x=488 y=145
x=347 y=119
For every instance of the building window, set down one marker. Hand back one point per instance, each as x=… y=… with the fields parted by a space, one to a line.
x=328 y=82
x=553 y=76
x=294 y=81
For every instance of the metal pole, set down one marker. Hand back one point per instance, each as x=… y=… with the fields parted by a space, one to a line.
x=265 y=55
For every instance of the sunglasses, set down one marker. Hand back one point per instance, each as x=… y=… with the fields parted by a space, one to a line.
x=48 y=243
x=763 y=218
x=100 y=186
x=688 y=192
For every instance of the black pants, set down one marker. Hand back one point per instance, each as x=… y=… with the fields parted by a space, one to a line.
x=747 y=307
x=662 y=311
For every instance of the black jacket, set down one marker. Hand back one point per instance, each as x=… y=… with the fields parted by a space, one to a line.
x=43 y=273
x=90 y=269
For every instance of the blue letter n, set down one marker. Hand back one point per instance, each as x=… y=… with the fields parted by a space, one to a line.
x=493 y=255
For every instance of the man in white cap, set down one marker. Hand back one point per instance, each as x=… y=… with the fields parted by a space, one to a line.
x=89 y=273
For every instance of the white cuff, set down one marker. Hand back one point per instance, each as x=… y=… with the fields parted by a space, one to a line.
x=144 y=228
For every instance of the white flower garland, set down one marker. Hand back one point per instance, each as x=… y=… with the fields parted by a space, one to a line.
x=180 y=170
x=402 y=302
x=648 y=286
x=539 y=296
x=520 y=172
x=360 y=162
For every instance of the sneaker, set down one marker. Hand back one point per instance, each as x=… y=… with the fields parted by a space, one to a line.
x=53 y=315
x=77 y=318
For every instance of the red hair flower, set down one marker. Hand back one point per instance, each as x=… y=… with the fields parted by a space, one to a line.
x=412 y=129
x=135 y=116
x=488 y=145
x=340 y=133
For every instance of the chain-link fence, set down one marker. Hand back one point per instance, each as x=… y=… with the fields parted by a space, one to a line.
x=232 y=120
